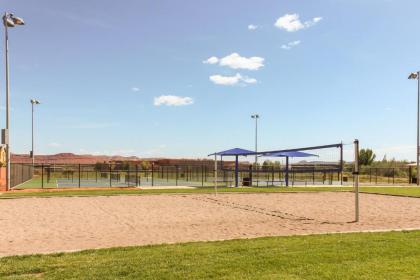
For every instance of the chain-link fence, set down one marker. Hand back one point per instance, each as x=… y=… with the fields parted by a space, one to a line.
x=20 y=173
x=133 y=175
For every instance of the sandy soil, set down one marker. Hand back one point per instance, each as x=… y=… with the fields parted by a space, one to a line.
x=42 y=225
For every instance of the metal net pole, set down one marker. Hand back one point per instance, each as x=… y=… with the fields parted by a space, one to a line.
x=356 y=178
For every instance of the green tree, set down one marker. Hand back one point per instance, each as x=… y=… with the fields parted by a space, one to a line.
x=145 y=165
x=277 y=164
x=267 y=163
x=101 y=166
x=366 y=157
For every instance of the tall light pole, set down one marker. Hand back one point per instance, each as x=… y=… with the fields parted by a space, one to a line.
x=9 y=20
x=33 y=102
x=416 y=76
x=256 y=117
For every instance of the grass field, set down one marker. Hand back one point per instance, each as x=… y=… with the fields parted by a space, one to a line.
x=406 y=191
x=392 y=255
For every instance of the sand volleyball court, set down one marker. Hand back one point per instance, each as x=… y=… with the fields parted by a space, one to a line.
x=43 y=225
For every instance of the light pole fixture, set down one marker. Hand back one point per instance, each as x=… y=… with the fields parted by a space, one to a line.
x=416 y=76
x=256 y=117
x=33 y=102
x=9 y=20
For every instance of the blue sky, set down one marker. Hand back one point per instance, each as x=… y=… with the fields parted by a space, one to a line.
x=318 y=72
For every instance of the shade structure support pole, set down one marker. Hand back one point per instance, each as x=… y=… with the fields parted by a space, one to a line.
x=236 y=171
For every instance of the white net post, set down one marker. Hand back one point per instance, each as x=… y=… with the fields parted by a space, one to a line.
x=356 y=178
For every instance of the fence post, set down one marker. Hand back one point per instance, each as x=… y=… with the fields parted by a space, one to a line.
x=110 y=175
x=153 y=167
x=313 y=176
x=250 y=175
x=79 y=175
x=137 y=175
x=128 y=176
x=257 y=175
x=272 y=175
x=376 y=176
x=202 y=175
x=293 y=177
x=42 y=176
x=22 y=174
x=205 y=174
x=409 y=174
x=188 y=172
x=393 y=176
x=176 y=175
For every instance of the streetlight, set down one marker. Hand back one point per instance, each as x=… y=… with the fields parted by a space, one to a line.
x=9 y=20
x=33 y=102
x=256 y=117
x=416 y=76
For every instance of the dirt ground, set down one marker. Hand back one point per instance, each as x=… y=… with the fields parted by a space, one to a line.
x=43 y=225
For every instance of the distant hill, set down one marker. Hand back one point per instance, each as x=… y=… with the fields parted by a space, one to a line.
x=71 y=158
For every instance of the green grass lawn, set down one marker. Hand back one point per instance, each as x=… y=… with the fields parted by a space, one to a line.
x=392 y=255
x=406 y=191
x=35 y=183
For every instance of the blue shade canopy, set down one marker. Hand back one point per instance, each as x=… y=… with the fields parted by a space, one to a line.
x=289 y=154
x=234 y=152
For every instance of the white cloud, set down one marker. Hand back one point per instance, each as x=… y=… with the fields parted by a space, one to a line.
x=54 y=145
x=211 y=60
x=316 y=19
x=292 y=23
x=290 y=45
x=231 y=80
x=252 y=27
x=249 y=80
x=135 y=89
x=289 y=22
x=235 y=61
x=172 y=100
x=312 y=22
x=225 y=80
